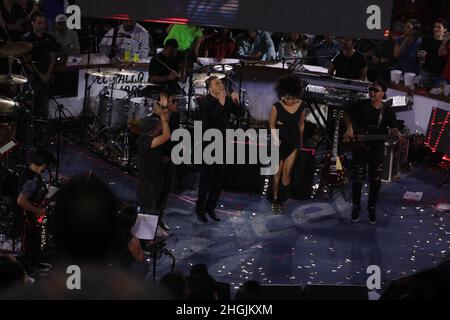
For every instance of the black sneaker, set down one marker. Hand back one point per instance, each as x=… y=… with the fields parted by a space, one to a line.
x=212 y=214
x=372 y=215
x=355 y=214
x=163 y=225
x=200 y=212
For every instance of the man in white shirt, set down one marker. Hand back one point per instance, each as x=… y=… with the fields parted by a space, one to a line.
x=130 y=36
x=67 y=39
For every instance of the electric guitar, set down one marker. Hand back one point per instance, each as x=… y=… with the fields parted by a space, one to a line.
x=364 y=135
x=333 y=172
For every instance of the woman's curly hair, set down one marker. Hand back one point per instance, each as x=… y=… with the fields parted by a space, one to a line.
x=289 y=85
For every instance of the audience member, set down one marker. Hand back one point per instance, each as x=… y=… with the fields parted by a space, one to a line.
x=407 y=46
x=432 y=64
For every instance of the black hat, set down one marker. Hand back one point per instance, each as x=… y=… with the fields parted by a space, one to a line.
x=381 y=84
x=41 y=156
x=147 y=124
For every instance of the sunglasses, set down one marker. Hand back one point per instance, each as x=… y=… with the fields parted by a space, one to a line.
x=375 y=90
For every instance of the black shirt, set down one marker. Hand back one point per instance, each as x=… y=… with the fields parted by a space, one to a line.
x=156 y=68
x=32 y=186
x=42 y=47
x=366 y=116
x=216 y=116
x=149 y=160
x=433 y=62
x=349 y=67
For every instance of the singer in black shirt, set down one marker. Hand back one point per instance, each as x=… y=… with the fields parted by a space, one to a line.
x=215 y=110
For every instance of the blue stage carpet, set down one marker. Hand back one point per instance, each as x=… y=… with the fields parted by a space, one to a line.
x=315 y=243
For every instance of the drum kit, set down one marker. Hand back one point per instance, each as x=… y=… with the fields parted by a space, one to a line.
x=115 y=118
x=9 y=107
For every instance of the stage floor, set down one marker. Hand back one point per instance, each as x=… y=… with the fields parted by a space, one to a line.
x=315 y=243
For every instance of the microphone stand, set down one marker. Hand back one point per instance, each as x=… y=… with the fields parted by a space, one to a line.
x=87 y=90
x=58 y=143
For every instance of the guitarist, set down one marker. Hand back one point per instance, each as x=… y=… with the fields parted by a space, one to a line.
x=370 y=113
x=32 y=192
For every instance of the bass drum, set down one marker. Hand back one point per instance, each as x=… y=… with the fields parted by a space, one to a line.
x=113 y=115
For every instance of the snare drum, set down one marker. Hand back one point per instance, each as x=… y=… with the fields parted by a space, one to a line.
x=115 y=115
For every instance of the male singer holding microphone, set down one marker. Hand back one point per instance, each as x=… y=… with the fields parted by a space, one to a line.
x=215 y=110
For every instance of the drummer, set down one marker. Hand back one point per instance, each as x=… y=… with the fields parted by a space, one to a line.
x=163 y=69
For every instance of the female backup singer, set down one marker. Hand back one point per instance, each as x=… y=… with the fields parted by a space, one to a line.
x=288 y=117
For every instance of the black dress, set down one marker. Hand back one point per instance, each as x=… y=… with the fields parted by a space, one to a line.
x=288 y=125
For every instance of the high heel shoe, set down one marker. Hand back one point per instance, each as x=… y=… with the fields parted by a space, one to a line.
x=275 y=207
x=283 y=207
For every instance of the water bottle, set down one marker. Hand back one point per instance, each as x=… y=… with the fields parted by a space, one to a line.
x=127 y=54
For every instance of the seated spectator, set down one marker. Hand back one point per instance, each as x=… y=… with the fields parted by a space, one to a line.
x=12 y=17
x=432 y=64
x=379 y=56
x=199 y=268
x=294 y=46
x=444 y=51
x=407 y=46
x=349 y=63
x=257 y=45
x=251 y=290
x=86 y=222
x=67 y=39
x=28 y=8
x=12 y=274
x=323 y=51
x=176 y=284
x=219 y=45
x=202 y=287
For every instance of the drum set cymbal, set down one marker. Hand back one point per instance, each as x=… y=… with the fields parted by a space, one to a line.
x=15 y=49
x=13 y=79
x=111 y=72
x=100 y=73
x=223 y=68
x=6 y=105
x=121 y=72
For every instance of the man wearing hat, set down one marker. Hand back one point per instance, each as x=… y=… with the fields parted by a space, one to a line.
x=154 y=133
x=67 y=39
x=373 y=117
x=32 y=192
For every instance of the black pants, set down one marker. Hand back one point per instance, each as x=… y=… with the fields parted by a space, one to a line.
x=148 y=194
x=210 y=186
x=31 y=242
x=373 y=159
x=152 y=197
